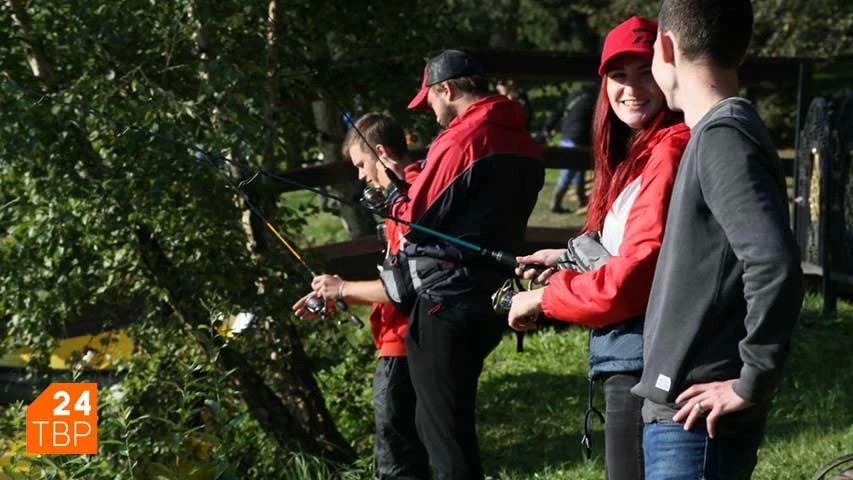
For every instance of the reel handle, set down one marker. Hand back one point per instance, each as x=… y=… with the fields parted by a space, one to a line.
x=504 y=258
x=538 y=268
x=340 y=305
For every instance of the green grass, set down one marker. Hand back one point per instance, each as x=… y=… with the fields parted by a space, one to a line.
x=531 y=405
x=542 y=215
x=324 y=226
x=531 y=408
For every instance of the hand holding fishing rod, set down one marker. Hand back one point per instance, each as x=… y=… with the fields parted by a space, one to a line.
x=535 y=268
x=539 y=266
x=313 y=304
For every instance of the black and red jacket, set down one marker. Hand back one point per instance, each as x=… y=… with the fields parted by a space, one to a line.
x=480 y=181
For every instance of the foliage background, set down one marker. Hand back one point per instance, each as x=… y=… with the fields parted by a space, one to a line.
x=94 y=95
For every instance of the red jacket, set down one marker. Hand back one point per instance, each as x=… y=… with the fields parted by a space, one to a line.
x=480 y=181
x=620 y=289
x=389 y=324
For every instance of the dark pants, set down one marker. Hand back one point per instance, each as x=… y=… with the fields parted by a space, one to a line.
x=398 y=451
x=446 y=346
x=673 y=453
x=623 y=428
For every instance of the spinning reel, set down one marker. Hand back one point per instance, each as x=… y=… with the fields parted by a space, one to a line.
x=374 y=198
x=317 y=306
x=502 y=298
x=502 y=302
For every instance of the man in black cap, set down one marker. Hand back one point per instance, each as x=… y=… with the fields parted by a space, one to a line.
x=480 y=181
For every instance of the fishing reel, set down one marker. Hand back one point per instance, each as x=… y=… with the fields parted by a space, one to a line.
x=375 y=198
x=502 y=298
x=379 y=200
x=317 y=306
x=502 y=302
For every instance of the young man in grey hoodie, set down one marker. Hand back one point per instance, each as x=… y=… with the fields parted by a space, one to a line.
x=728 y=285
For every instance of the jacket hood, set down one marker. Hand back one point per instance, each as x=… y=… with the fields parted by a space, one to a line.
x=494 y=109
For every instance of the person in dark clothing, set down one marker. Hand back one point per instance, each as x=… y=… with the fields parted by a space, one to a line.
x=398 y=452
x=574 y=119
x=728 y=286
x=480 y=181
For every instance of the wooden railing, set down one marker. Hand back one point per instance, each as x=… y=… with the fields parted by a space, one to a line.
x=357 y=259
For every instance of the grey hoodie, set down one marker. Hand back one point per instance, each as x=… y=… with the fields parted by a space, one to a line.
x=728 y=286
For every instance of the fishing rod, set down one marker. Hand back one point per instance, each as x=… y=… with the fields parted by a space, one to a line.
x=314 y=304
x=505 y=259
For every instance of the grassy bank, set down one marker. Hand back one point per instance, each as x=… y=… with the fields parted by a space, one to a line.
x=532 y=404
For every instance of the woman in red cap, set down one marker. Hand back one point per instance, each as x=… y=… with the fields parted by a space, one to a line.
x=637 y=145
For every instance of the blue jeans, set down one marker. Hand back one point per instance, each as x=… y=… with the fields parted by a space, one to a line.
x=671 y=453
x=568 y=177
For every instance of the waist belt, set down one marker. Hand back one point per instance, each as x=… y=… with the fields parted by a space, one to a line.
x=405 y=276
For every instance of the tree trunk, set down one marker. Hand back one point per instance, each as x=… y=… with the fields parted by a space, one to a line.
x=297 y=417
x=35 y=51
x=271 y=115
x=282 y=360
x=256 y=240
x=328 y=115
x=293 y=411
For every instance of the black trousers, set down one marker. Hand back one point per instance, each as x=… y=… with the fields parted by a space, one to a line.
x=623 y=428
x=398 y=451
x=446 y=345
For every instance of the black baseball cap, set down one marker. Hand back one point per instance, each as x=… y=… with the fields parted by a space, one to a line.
x=447 y=65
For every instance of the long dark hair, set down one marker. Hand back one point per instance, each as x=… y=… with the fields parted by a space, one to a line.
x=615 y=154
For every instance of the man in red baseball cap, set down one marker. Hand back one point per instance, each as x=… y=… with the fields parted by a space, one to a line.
x=480 y=181
x=450 y=65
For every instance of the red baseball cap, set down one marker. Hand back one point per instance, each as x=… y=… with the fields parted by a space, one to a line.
x=420 y=100
x=633 y=36
x=447 y=65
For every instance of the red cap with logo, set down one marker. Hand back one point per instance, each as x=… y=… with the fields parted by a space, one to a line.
x=633 y=36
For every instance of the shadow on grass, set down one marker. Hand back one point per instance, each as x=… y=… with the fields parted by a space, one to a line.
x=817 y=391
x=535 y=420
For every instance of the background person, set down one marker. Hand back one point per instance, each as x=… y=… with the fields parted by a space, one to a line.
x=574 y=120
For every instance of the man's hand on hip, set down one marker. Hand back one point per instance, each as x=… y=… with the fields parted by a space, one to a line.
x=713 y=400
